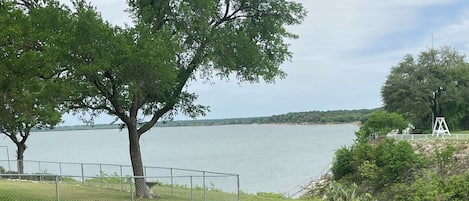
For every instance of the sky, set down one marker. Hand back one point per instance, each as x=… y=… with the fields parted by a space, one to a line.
x=344 y=53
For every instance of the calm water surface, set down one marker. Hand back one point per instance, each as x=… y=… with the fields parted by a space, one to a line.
x=269 y=158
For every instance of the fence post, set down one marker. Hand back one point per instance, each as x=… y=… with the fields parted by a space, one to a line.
x=172 y=181
x=101 y=175
x=57 y=188
x=122 y=178
x=132 y=198
x=203 y=178
x=60 y=170
x=40 y=171
x=239 y=191
x=192 y=190
x=8 y=158
x=82 y=175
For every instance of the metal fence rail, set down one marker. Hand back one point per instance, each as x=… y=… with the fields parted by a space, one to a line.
x=183 y=184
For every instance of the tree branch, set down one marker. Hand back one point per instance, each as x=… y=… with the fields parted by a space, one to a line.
x=11 y=136
x=229 y=17
x=25 y=134
x=227 y=9
x=183 y=77
x=29 y=4
x=111 y=96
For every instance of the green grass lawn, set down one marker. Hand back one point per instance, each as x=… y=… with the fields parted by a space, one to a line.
x=14 y=190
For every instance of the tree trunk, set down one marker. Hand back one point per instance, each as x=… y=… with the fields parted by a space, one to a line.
x=136 y=159
x=21 y=147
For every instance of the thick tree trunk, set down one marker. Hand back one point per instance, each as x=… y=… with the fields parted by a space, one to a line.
x=137 y=164
x=21 y=147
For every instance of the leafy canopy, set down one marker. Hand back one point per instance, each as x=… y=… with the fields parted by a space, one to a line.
x=144 y=69
x=28 y=96
x=381 y=123
x=433 y=84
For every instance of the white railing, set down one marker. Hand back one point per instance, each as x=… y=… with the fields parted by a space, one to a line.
x=453 y=136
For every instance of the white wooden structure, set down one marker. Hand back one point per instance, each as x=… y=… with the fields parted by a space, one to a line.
x=440 y=127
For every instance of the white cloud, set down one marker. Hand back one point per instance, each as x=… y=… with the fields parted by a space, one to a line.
x=456 y=33
x=111 y=10
x=343 y=55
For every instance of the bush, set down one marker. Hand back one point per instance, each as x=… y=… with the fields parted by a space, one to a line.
x=339 y=192
x=342 y=164
x=394 y=160
x=374 y=167
x=381 y=123
x=270 y=195
x=457 y=187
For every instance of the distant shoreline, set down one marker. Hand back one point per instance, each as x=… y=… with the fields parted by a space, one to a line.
x=108 y=126
x=332 y=117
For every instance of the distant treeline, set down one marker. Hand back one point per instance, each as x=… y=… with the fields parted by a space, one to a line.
x=312 y=117
x=322 y=117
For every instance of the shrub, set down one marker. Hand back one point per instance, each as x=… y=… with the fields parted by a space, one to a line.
x=270 y=195
x=342 y=164
x=457 y=187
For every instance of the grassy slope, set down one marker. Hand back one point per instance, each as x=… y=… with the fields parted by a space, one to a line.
x=12 y=190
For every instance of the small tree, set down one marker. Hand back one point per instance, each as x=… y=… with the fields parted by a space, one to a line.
x=28 y=97
x=381 y=123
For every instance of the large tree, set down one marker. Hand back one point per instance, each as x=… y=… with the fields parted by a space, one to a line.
x=142 y=71
x=29 y=98
x=427 y=87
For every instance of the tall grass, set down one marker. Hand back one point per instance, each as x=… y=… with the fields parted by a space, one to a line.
x=24 y=190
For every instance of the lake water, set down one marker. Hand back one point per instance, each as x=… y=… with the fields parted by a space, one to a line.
x=268 y=158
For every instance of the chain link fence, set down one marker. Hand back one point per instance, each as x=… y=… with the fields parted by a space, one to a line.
x=45 y=180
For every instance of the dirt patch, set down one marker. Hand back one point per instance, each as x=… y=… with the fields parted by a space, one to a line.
x=428 y=147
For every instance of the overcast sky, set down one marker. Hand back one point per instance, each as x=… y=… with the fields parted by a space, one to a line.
x=345 y=51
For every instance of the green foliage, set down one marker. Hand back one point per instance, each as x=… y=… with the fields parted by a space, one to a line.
x=126 y=76
x=106 y=178
x=342 y=164
x=29 y=55
x=381 y=123
x=433 y=84
x=322 y=117
x=312 y=117
x=391 y=170
x=457 y=187
x=443 y=160
x=340 y=192
x=270 y=195
x=394 y=159
x=429 y=186
x=377 y=166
